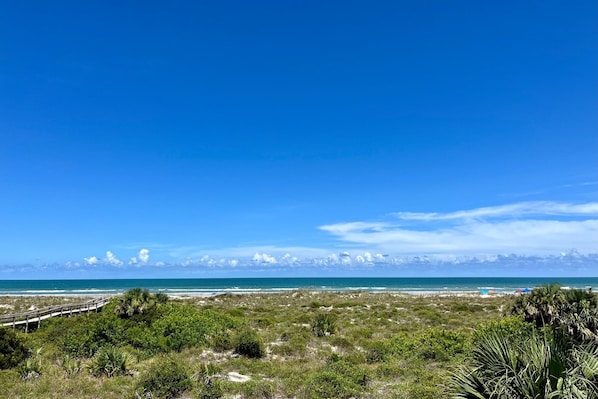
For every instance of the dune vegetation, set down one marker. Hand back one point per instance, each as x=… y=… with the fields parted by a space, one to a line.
x=310 y=345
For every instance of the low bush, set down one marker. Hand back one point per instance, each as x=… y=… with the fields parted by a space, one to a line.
x=249 y=344
x=330 y=385
x=83 y=336
x=512 y=329
x=258 y=389
x=183 y=326
x=13 y=350
x=109 y=362
x=222 y=341
x=165 y=379
x=210 y=388
x=323 y=324
x=32 y=368
x=377 y=351
x=432 y=344
x=356 y=374
x=70 y=365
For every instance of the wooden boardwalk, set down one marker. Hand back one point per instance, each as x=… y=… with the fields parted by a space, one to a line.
x=35 y=317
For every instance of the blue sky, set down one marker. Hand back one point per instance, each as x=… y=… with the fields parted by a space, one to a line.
x=298 y=138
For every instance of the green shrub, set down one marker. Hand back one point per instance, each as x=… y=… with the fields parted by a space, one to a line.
x=342 y=343
x=109 y=362
x=249 y=344
x=165 y=379
x=222 y=341
x=388 y=370
x=12 y=349
x=161 y=298
x=356 y=374
x=323 y=324
x=513 y=329
x=32 y=368
x=82 y=336
x=258 y=389
x=211 y=388
x=440 y=344
x=207 y=370
x=432 y=344
x=183 y=326
x=330 y=385
x=136 y=301
x=70 y=365
x=543 y=365
x=376 y=351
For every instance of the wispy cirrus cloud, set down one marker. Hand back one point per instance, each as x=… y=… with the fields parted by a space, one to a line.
x=523 y=228
x=531 y=208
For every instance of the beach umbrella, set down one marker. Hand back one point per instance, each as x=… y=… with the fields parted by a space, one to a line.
x=526 y=290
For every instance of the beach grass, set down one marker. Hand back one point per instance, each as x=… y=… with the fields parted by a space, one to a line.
x=383 y=345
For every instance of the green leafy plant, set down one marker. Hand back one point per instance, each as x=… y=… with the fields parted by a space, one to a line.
x=12 y=349
x=249 y=344
x=574 y=311
x=109 y=362
x=323 y=324
x=210 y=388
x=32 y=368
x=165 y=379
x=542 y=366
x=258 y=389
x=70 y=365
x=432 y=344
x=330 y=385
x=135 y=301
x=377 y=351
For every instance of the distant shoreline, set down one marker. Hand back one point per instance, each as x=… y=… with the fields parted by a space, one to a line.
x=210 y=287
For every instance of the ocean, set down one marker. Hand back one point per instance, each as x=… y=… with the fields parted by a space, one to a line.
x=214 y=286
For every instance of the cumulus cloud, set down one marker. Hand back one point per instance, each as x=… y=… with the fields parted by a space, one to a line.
x=143 y=255
x=288 y=259
x=91 y=261
x=72 y=264
x=524 y=228
x=264 y=258
x=111 y=259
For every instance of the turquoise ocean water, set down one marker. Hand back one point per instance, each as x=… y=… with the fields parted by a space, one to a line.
x=252 y=285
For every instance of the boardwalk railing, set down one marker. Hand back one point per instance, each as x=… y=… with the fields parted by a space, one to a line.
x=36 y=316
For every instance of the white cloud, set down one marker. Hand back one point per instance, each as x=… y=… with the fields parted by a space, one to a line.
x=133 y=261
x=91 y=261
x=549 y=227
x=143 y=255
x=289 y=260
x=264 y=258
x=72 y=264
x=546 y=208
x=249 y=251
x=111 y=259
